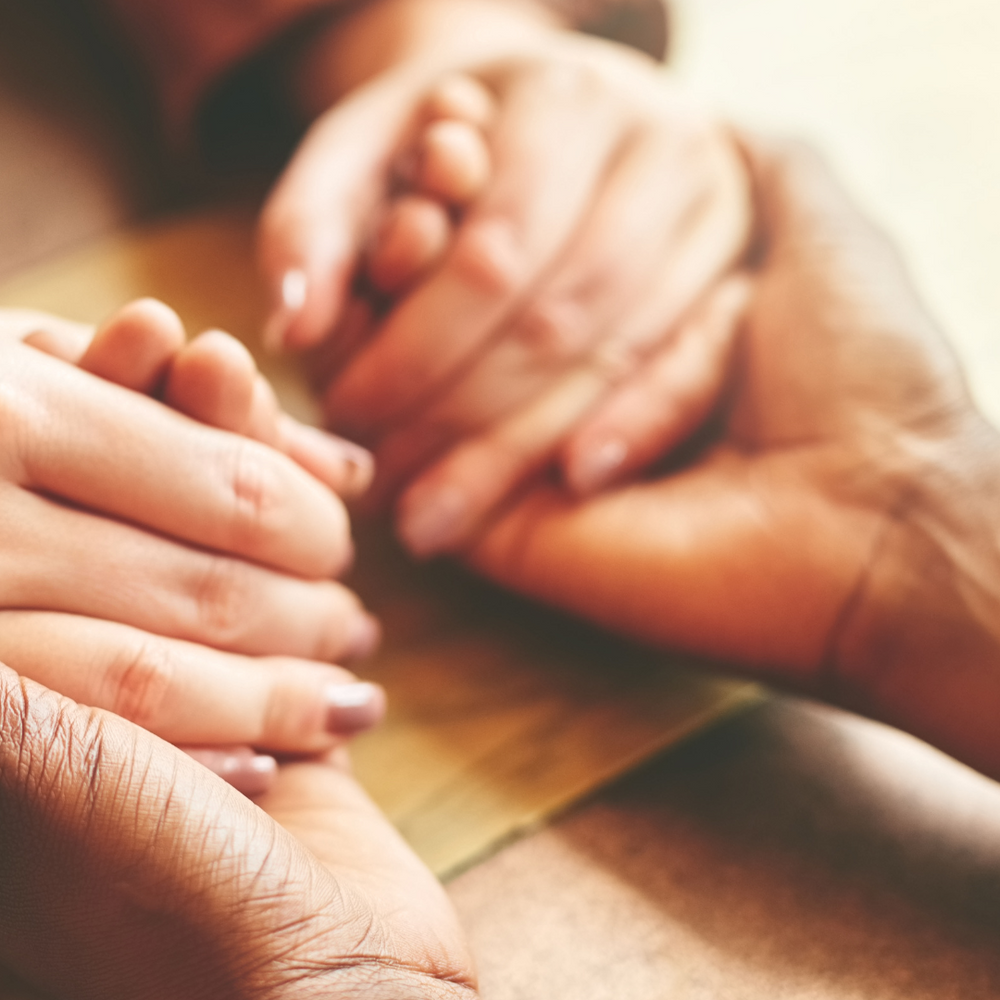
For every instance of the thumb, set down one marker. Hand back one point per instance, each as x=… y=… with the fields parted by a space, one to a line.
x=315 y=223
x=737 y=558
x=127 y=869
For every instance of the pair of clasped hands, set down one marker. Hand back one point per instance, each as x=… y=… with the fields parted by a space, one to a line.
x=523 y=284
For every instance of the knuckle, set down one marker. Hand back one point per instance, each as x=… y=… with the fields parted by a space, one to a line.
x=222 y=599
x=255 y=494
x=554 y=330
x=489 y=257
x=140 y=679
x=569 y=80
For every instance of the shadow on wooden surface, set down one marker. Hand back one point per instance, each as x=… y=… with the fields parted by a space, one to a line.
x=502 y=713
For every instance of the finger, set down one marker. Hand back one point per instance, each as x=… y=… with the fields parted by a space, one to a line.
x=314 y=224
x=186 y=693
x=412 y=239
x=658 y=248
x=129 y=870
x=62 y=338
x=452 y=162
x=250 y=773
x=666 y=400
x=346 y=468
x=173 y=475
x=214 y=379
x=710 y=555
x=460 y=97
x=331 y=815
x=72 y=561
x=551 y=148
x=449 y=504
x=135 y=346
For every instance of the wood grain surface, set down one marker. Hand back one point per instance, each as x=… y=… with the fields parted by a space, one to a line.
x=502 y=713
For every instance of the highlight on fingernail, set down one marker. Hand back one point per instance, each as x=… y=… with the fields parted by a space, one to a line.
x=430 y=521
x=293 y=293
x=294 y=289
x=354 y=708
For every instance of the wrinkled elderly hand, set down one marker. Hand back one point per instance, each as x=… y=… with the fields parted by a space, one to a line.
x=610 y=208
x=128 y=871
x=841 y=530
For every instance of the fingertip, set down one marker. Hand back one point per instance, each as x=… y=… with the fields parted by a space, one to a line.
x=345 y=467
x=454 y=162
x=135 y=345
x=248 y=772
x=352 y=709
x=592 y=462
x=431 y=518
x=413 y=237
x=463 y=98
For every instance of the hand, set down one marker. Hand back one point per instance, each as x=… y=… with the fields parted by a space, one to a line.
x=611 y=209
x=129 y=871
x=100 y=609
x=840 y=533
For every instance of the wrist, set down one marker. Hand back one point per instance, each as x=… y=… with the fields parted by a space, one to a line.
x=423 y=36
x=920 y=645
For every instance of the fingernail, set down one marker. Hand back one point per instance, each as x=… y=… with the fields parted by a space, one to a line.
x=294 y=292
x=248 y=772
x=596 y=466
x=365 y=637
x=354 y=708
x=430 y=524
x=358 y=469
x=345 y=467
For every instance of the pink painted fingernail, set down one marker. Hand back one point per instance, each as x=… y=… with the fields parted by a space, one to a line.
x=365 y=637
x=248 y=772
x=431 y=522
x=596 y=466
x=293 y=294
x=354 y=708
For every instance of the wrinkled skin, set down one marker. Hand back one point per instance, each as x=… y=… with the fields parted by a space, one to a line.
x=129 y=871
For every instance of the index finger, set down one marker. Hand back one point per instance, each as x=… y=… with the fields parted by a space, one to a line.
x=123 y=454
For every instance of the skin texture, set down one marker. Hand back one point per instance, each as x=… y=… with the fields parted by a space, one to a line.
x=574 y=264
x=837 y=530
x=131 y=871
x=108 y=494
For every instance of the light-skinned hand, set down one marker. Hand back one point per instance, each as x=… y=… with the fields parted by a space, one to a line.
x=155 y=566
x=611 y=207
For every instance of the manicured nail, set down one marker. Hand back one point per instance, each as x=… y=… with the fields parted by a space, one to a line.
x=597 y=466
x=365 y=637
x=294 y=292
x=431 y=522
x=359 y=470
x=354 y=708
x=345 y=467
x=248 y=772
